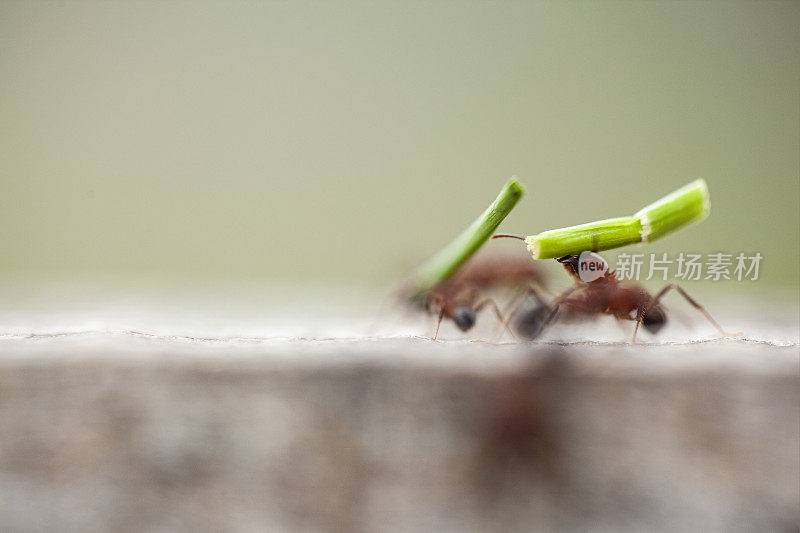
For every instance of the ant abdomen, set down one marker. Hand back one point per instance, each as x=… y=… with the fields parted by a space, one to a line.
x=464 y=317
x=654 y=320
x=531 y=323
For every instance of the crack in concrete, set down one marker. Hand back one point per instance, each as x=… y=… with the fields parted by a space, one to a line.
x=241 y=339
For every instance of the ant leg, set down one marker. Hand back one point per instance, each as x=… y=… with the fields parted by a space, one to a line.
x=556 y=307
x=438 y=323
x=639 y=318
x=552 y=318
x=536 y=294
x=563 y=296
x=511 y=308
x=514 y=305
x=520 y=294
x=519 y=298
x=552 y=314
x=552 y=311
x=489 y=301
x=694 y=304
x=515 y=302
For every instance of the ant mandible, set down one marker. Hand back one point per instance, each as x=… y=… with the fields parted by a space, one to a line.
x=604 y=295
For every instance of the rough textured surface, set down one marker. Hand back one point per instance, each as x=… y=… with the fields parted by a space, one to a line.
x=126 y=433
x=200 y=420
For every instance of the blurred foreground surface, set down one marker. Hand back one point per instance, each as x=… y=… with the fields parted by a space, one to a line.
x=198 y=418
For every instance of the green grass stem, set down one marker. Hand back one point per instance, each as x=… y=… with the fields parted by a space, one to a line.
x=679 y=208
x=439 y=267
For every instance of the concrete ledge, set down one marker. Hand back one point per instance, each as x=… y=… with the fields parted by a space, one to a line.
x=129 y=432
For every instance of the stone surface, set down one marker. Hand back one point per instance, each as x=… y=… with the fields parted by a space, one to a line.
x=207 y=421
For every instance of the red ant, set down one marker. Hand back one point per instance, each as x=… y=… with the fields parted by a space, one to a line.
x=457 y=297
x=605 y=295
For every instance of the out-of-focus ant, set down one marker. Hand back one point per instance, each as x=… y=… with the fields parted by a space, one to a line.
x=464 y=294
x=604 y=295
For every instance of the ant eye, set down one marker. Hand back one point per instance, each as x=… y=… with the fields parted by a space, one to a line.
x=464 y=317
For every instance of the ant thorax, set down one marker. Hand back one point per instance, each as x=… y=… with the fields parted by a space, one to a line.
x=588 y=267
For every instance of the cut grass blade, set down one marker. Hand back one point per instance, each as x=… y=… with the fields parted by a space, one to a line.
x=439 y=267
x=679 y=208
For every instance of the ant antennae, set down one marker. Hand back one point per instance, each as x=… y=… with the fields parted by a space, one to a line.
x=507 y=235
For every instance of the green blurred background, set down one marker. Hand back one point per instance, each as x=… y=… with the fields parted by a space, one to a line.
x=340 y=142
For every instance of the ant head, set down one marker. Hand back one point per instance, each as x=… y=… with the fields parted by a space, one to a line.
x=570 y=262
x=464 y=317
x=531 y=323
x=654 y=320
